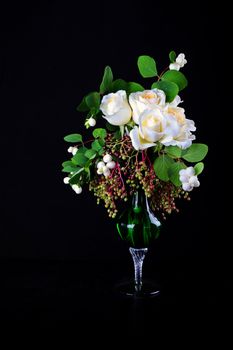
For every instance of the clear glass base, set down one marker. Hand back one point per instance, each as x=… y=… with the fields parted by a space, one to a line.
x=147 y=290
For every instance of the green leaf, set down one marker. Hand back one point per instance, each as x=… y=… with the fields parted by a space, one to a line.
x=75 y=178
x=73 y=138
x=195 y=153
x=119 y=84
x=170 y=89
x=161 y=166
x=80 y=158
x=117 y=134
x=134 y=87
x=173 y=172
x=67 y=163
x=90 y=153
x=69 y=169
x=175 y=77
x=99 y=132
x=96 y=146
x=172 y=56
x=199 y=168
x=83 y=107
x=93 y=100
x=173 y=151
x=107 y=80
x=147 y=66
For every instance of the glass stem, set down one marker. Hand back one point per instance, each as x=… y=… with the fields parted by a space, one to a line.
x=138 y=256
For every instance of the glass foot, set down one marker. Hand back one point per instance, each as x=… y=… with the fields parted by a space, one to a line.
x=147 y=290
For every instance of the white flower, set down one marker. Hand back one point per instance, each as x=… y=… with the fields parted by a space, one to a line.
x=178 y=126
x=179 y=63
x=138 y=142
x=73 y=150
x=147 y=99
x=111 y=165
x=188 y=179
x=77 y=189
x=90 y=122
x=107 y=158
x=115 y=108
x=152 y=125
x=66 y=180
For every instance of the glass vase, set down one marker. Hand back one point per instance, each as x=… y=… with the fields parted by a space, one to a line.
x=138 y=226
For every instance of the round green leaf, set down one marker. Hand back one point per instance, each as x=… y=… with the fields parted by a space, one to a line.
x=96 y=146
x=134 y=87
x=67 y=163
x=170 y=89
x=161 y=166
x=195 y=153
x=93 y=100
x=73 y=138
x=119 y=84
x=99 y=132
x=90 y=154
x=199 y=168
x=175 y=77
x=69 y=169
x=147 y=66
x=172 y=56
x=74 y=179
x=107 y=80
x=173 y=172
x=83 y=107
x=173 y=151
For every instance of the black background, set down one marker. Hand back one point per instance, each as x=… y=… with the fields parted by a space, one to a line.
x=60 y=254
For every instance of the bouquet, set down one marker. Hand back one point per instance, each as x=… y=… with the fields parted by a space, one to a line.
x=138 y=139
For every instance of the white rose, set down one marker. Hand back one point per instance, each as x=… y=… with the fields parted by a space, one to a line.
x=179 y=63
x=115 y=108
x=147 y=99
x=179 y=127
x=152 y=128
x=152 y=125
x=138 y=142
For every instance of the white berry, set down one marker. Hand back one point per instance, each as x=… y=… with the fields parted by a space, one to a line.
x=66 y=180
x=92 y=121
x=107 y=172
x=111 y=165
x=100 y=165
x=77 y=189
x=107 y=158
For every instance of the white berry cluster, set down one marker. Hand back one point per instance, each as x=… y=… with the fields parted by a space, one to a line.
x=77 y=189
x=73 y=150
x=104 y=166
x=188 y=179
